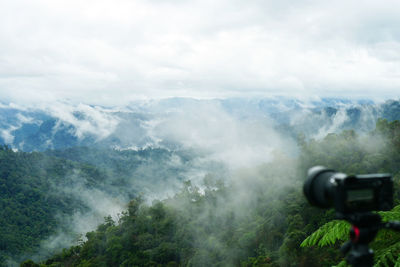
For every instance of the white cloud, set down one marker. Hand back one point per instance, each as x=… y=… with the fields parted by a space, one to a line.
x=87 y=120
x=220 y=136
x=111 y=52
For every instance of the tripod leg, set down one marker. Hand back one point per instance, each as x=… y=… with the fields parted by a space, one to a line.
x=360 y=256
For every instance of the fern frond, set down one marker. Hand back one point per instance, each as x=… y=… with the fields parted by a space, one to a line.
x=388 y=256
x=391 y=215
x=341 y=264
x=396 y=208
x=328 y=234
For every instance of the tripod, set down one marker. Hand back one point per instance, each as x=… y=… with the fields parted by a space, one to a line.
x=364 y=228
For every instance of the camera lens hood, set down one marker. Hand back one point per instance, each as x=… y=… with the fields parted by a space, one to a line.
x=314 y=186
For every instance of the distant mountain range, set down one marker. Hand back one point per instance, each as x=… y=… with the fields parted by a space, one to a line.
x=146 y=123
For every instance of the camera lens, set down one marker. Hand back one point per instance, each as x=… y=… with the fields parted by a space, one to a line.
x=318 y=188
x=348 y=194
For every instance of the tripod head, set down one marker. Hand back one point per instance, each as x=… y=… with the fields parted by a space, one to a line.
x=364 y=228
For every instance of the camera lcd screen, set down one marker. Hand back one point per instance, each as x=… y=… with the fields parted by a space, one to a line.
x=360 y=199
x=360 y=195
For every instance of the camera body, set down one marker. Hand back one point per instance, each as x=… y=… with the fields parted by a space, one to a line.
x=348 y=194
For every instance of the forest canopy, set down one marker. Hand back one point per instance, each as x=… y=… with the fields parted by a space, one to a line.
x=259 y=218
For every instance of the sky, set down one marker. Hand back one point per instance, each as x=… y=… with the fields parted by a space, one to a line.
x=111 y=52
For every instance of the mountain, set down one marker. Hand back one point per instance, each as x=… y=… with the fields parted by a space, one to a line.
x=259 y=219
x=213 y=160
x=48 y=199
x=142 y=124
x=35 y=197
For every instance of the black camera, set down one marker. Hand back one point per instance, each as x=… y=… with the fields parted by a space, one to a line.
x=354 y=197
x=348 y=194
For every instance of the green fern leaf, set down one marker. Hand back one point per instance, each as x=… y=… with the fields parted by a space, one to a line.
x=328 y=234
x=342 y=264
x=388 y=256
x=391 y=215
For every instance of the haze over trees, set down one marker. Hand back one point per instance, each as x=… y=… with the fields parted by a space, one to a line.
x=219 y=227
x=217 y=216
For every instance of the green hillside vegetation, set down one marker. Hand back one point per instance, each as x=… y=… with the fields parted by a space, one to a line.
x=259 y=218
x=245 y=223
x=134 y=172
x=30 y=198
x=37 y=189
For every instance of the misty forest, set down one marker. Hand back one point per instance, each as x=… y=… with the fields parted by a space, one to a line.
x=185 y=182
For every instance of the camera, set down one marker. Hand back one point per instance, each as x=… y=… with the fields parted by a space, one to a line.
x=354 y=198
x=348 y=194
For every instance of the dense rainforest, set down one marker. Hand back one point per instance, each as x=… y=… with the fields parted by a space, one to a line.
x=258 y=217
x=30 y=205
x=41 y=192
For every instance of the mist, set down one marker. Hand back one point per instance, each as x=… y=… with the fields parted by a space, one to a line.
x=196 y=141
x=158 y=149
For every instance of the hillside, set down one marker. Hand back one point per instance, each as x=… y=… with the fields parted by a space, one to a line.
x=259 y=219
x=228 y=182
x=48 y=199
x=34 y=198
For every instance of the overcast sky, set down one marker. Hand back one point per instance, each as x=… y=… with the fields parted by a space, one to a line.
x=115 y=51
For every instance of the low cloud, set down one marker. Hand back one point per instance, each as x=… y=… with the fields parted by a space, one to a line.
x=208 y=128
x=86 y=120
x=97 y=204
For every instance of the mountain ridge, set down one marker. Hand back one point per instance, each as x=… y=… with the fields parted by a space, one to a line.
x=134 y=126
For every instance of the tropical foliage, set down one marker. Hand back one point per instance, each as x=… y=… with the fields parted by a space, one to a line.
x=258 y=218
x=30 y=202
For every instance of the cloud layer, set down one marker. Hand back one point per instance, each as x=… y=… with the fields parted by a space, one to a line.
x=112 y=52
